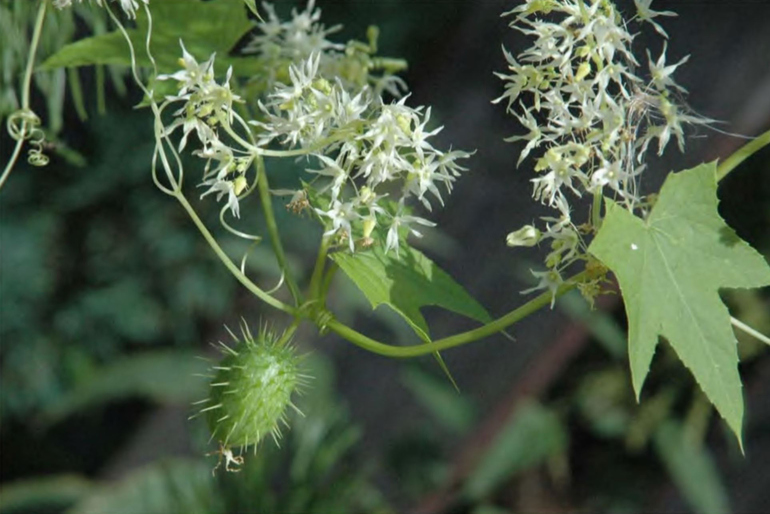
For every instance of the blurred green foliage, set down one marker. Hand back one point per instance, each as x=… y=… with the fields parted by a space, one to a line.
x=95 y=262
x=317 y=471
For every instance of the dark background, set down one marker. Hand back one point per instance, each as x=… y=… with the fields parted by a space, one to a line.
x=96 y=264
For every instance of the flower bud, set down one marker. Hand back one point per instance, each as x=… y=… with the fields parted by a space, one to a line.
x=240 y=184
x=525 y=236
x=369 y=224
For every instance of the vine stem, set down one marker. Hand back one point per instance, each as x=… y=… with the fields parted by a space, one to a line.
x=25 y=89
x=742 y=154
x=266 y=200
x=750 y=331
x=272 y=230
x=229 y=264
x=177 y=193
x=318 y=270
x=289 y=332
x=487 y=330
x=533 y=305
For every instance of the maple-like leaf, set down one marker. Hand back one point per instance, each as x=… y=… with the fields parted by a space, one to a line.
x=670 y=268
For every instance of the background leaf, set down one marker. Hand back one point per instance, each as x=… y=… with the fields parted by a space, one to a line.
x=692 y=469
x=532 y=435
x=453 y=410
x=205 y=28
x=44 y=493
x=670 y=268
x=162 y=376
x=171 y=486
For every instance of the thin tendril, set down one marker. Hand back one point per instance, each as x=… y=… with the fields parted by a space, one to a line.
x=35 y=155
x=235 y=231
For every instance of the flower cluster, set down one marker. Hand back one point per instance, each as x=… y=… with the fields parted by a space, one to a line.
x=368 y=157
x=208 y=106
x=589 y=115
x=128 y=6
x=282 y=44
x=370 y=152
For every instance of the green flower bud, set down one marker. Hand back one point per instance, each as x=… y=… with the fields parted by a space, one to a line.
x=405 y=123
x=240 y=184
x=525 y=236
x=583 y=70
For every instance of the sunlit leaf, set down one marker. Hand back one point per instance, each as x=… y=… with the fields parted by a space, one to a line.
x=670 y=268
x=407 y=282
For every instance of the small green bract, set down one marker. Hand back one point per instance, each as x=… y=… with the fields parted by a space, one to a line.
x=251 y=389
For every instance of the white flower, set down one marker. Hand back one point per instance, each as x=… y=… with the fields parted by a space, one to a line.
x=222 y=188
x=403 y=220
x=368 y=150
x=341 y=215
x=335 y=171
x=589 y=117
x=130 y=7
x=661 y=74
x=420 y=136
x=534 y=138
x=611 y=174
x=550 y=280
x=644 y=13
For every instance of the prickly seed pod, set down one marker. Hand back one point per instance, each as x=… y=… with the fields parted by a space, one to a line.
x=251 y=389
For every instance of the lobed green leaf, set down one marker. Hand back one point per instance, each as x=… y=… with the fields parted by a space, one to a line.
x=670 y=268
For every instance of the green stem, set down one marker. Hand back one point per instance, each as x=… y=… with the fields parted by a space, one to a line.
x=286 y=337
x=742 y=154
x=750 y=331
x=272 y=226
x=25 y=92
x=14 y=156
x=272 y=230
x=327 y=281
x=456 y=340
x=25 y=89
x=229 y=264
x=318 y=270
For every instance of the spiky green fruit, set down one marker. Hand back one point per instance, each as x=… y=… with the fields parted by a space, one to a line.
x=251 y=390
